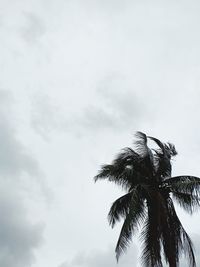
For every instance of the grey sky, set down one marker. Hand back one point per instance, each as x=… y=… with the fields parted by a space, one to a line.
x=33 y=29
x=14 y=158
x=103 y=258
x=78 y=78
x=19 y=235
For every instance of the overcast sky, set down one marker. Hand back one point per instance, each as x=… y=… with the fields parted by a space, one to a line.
x=78 y=78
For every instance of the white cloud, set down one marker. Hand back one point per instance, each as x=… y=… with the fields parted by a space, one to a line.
x=115 y=107
x=119 y=106
x=103 y=258
x=14 y=159
x=45 y=116
x=19 y=236
x=33 y=29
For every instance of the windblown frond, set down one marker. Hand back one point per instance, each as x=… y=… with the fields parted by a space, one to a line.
x=163 y=227
x=141 y=144
x=184 y=184
x=151 y=255
x=135 y=216
x=114 y=174
x=162 y=157
x=171 y=236
x=171 y=149
x=151 y=233
x=188 y=202
x=125 y=169
x=181 y=238
x=119 y=209
x=147 y=162
x=167 y=148
x=150 y=236
x=188 y=247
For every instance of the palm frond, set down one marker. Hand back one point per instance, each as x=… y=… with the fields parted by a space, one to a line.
x=170 y=233
x=184 y=184
x=158 y=142
x=119 y=209
x=141 y=143
x=163 y=157
x=134 y=218
x=151 y=244
x=188 y=202
x=167 y=148
x=125 y=169
x=151 y=232
x=183 y=241
x=188 y=248
x=171 y=148
x=114 y=174
x=163 y=226
x=147 y=161
x=126 y=178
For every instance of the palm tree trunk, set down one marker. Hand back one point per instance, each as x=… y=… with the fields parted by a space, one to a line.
x=172 y=262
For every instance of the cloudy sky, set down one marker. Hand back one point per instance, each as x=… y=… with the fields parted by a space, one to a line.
x=78 y=78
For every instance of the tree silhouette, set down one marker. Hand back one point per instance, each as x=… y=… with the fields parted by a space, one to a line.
x=145 y=174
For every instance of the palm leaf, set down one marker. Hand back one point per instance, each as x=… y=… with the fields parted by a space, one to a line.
x=141 y=144
x=187 y=201
x=151 y=233
x=183 y=241
x=125 y=169
x=184 y=184
x=119 y=209
x=170 y=233
x=163 y=157
x=151 y=243
x=135 y=216
x=147 y=161
x=167 y=148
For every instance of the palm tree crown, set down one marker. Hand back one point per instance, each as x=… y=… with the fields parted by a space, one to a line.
x=145 y=174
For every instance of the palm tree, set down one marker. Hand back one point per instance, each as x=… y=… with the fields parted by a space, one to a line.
x=145 y=174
